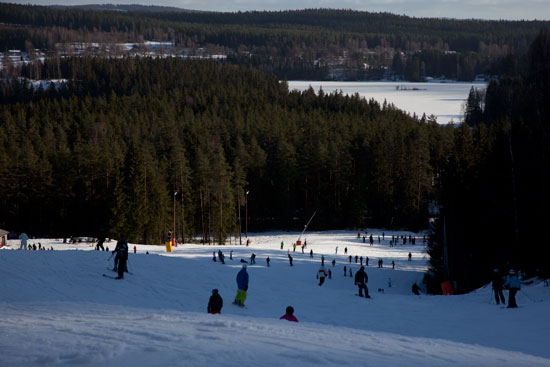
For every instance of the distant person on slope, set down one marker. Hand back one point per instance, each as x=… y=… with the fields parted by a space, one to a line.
x=215 y=303
x=121 y=250
x=416 y=289
x=242 y=286
x=289 y=315
x=100 y=242
x=321 y=274
x=361 y=280
x=513 y=285
x=497 y=287
x=24 y=238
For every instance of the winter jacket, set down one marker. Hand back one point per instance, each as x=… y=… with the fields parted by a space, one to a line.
x=215 y=303
x=512 y=282
x=121 y=248
x=497 y=281
x=24 y=238
x=361 y=277
x=242 y=280
x=288 y=317
x=322 y=272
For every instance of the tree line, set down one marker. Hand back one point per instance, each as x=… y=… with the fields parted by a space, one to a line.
x=108 y=151
x=301 y=44
x=494 y=192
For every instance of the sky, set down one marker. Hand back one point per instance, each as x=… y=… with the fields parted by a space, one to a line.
x=461 y=9
x=58 y=309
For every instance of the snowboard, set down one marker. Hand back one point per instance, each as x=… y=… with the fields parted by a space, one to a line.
x=369 y=297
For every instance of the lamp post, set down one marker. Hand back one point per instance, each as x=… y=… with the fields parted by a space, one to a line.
x=246 y=213
x=174 y=232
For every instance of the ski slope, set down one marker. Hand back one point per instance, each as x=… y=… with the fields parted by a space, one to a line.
x=58 y=310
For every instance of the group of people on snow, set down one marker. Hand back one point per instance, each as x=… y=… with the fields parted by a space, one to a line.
x=511 y=283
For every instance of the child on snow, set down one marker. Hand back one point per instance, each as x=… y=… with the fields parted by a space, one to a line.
x=215 y=303
x=289 y=315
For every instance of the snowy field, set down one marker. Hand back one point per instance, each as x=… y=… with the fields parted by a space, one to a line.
x=58 y=310
x=444 y=100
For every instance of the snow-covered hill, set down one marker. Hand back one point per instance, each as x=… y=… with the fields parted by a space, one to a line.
x=58 y=310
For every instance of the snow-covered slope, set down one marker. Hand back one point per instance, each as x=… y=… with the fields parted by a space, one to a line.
x=58 y=310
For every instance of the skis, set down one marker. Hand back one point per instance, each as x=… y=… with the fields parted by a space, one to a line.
x=127 y=272
x=111 y=277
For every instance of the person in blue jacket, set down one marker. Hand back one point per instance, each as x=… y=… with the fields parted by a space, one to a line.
x=513 y=285
x=242 y=286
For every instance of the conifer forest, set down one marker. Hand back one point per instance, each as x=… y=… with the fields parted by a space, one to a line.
x=141 y=145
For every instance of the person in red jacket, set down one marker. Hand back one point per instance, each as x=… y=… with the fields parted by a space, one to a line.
x=289 y=315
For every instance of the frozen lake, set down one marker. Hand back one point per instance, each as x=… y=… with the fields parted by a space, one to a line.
x=444 y=100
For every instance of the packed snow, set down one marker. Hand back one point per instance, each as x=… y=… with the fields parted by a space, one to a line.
x=58 y=309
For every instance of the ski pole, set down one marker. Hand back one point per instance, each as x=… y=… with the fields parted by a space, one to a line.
x=109 y=259
x=528 y=297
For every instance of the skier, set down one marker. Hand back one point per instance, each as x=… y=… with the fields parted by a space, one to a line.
x=333 y=263
x=267 y=261
x=410 y=256
x=345 y=250
x=214 y=256
x=100 y=242
x=497 y=287
x=24 y=238
x=135 y=249
x=393 y=264
x=294 y=247
x=282 y=244
x=322 y=259
x=367 y=261
x=361 y=280
x=289 y=315
x=356 y=258
x=321 y=274
x=361 y=260
x=329 y=273
x=121 y=250
x=231 y=255
x=513 y=285
x=345 y=270
x=253 y=259
x=350 y=273
x=416 y=289
x=221 y=256
x=350 y=259
x=311 y=253
x=290 y=259
x=242 y=287
x=215 y=303
x=336 y=250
